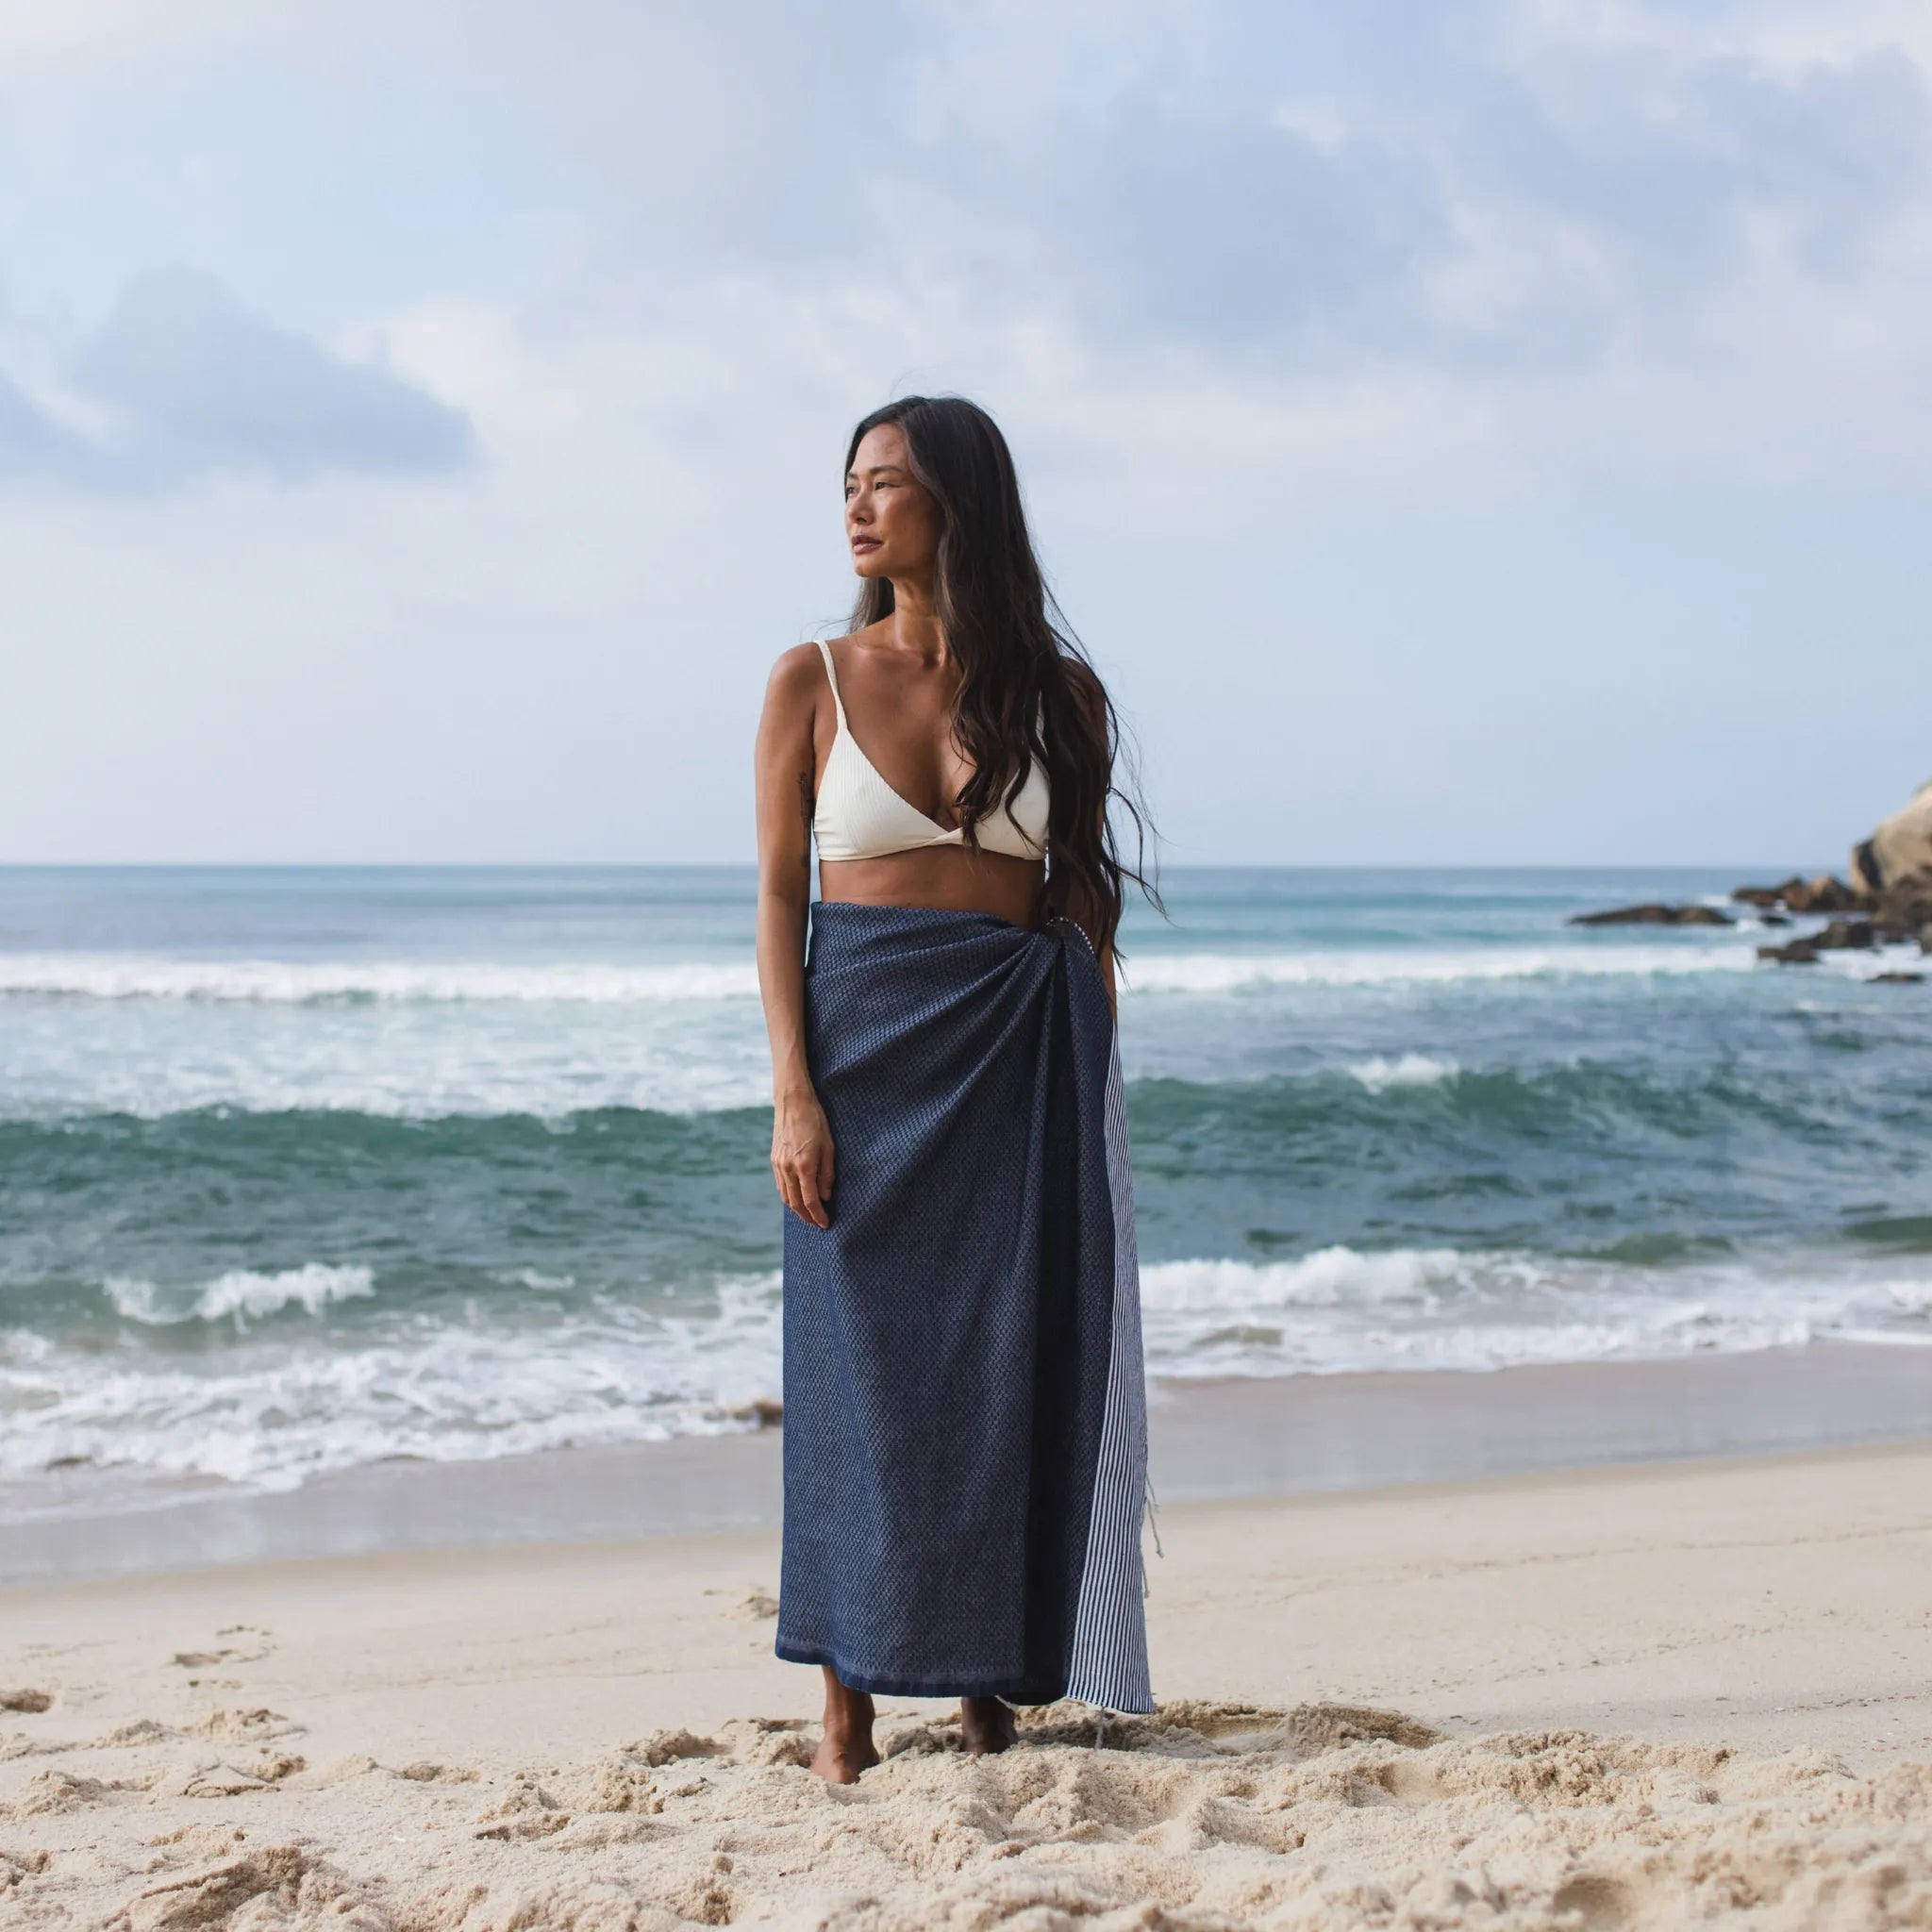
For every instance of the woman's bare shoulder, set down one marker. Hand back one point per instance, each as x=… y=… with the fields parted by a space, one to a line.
x=797 y=673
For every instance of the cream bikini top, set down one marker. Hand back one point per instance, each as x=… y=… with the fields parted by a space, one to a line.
x=859 y=815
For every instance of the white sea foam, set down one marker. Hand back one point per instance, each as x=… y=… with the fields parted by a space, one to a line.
x=283 y=982
x=1406 y=1069
x=273 y=1411
x=1227 y=973
x=152 y=1038
x=276 y=1403
x=279 y=982
x=1331 y=1278
x=237 y=1294
x=410 y=1062
x=1340 y=1309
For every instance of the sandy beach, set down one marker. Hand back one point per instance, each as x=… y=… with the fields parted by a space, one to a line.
x=1690 y=1692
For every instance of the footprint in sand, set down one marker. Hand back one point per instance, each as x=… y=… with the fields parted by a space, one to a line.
x=263 y=1646
x=425 y=1771
x=30 y=1698
x=14 y=1866
x=51 y=1792
x=142 y=1730
x=276 y=1874
x=219 y=1781
x=226 y=1780
x=526 y=1810
x=256 y=1726
x=1600 y=1905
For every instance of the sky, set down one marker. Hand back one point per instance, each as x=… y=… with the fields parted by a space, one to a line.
x=1462 y=431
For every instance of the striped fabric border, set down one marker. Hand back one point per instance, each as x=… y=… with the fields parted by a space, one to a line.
x=1109 y=1667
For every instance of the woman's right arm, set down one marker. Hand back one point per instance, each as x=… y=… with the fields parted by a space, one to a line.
x=787 y=779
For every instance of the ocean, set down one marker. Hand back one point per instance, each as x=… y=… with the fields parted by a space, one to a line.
x=309 y=1167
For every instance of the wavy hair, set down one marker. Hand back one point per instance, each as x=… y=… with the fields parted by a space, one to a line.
x=1026 y=689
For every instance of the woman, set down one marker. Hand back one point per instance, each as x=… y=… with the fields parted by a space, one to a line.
x=965 y=1432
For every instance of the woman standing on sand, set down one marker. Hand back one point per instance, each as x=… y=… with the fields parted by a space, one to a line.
x=965 y=1424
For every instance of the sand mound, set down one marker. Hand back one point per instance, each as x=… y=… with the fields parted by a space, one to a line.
x=1199 y=1818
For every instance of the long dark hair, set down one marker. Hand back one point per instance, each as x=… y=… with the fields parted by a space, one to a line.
x=1026 y=688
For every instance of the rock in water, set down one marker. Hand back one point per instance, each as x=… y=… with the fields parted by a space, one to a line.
x=1796 y=894
x=1652 y=914
x=1900 y=846
x=1847 y=934
x=1905 y=909
x=1824 y=894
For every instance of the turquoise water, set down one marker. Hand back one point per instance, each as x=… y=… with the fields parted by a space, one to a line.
x=303 y=1168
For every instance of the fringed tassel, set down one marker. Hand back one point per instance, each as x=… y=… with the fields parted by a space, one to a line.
x=1149 y=1512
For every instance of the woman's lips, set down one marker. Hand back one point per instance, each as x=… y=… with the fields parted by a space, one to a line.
x=865 y=542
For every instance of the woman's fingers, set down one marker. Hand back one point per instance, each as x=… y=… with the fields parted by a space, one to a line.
x=805 y=1176
x=783 y=1180
x=801 y=1157
x=800 y=1187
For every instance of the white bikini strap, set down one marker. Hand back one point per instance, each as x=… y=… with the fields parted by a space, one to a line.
x=832 y=678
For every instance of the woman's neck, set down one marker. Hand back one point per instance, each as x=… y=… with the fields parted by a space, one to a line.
x=915 y=621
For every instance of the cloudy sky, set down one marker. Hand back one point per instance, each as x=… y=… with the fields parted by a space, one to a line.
x=1462 y=430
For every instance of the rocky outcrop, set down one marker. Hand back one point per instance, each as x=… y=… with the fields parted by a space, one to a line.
x=1903 y=908
x=1900 y=847
x=1891 y=885
x=1897 y=922
x=1823 y=893
x=1846 y=935
x=1899 y=909
x=1652 y=913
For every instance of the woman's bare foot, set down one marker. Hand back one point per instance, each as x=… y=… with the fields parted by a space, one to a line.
x=986 y=1726
x=847 y=1748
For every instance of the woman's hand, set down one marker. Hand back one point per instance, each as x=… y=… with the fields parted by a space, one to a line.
x=802 y=1157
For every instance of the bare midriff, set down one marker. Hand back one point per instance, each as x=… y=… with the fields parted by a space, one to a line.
x=947 y=879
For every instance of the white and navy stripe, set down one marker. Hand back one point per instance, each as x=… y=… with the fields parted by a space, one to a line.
x=1109 y=1666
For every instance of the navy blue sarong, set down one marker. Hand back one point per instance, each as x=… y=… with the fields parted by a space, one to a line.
x=965 y=1414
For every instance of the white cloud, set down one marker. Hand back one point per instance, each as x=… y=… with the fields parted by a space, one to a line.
x=181 y=381
x=1247 y=284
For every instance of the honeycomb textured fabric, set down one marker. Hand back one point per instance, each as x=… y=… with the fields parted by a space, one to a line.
x=965 y=1424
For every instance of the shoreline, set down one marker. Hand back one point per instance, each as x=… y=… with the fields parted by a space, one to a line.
x=1212 y=1442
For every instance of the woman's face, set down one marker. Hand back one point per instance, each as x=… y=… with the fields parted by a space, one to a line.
x=892 y=521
